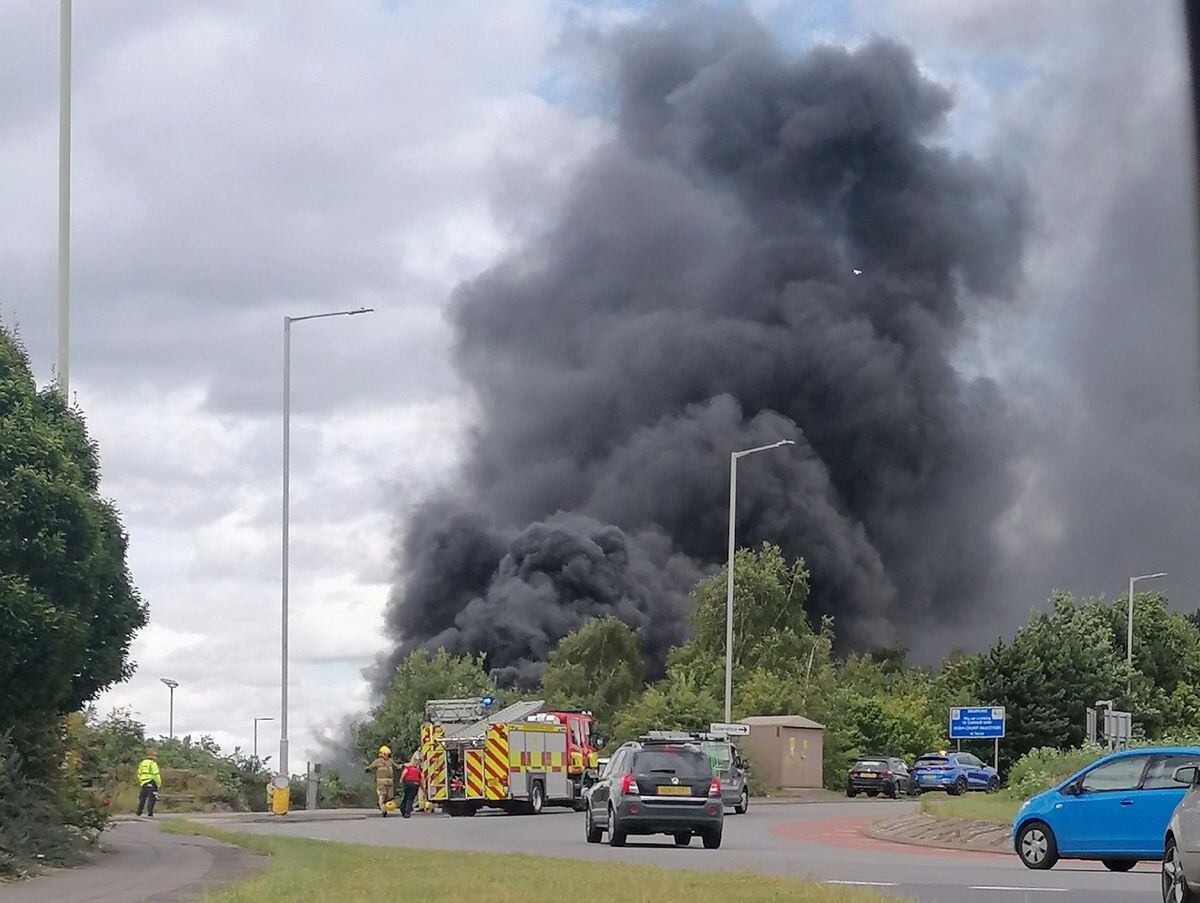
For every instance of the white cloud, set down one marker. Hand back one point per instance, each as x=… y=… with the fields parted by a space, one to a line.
x=234 y=162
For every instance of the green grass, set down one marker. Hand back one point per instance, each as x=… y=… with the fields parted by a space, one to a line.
x=994 y=807
x=334 y=872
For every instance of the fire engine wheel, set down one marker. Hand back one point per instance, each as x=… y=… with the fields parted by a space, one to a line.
x=616 y=837
x=589 y=826
x=537 y=798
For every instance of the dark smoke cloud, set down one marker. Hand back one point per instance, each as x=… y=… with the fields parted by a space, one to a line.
x=696 y=295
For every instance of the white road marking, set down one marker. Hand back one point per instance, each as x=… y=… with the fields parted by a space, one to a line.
x=1024 y=890
x=864 y=883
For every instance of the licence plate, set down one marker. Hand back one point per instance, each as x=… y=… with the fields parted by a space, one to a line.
x=867 y=774
x=674 y=791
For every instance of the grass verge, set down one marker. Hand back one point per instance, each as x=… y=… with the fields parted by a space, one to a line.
x=1000 y=808
x=334 y=872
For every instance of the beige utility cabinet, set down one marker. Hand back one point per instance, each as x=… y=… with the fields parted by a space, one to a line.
x=786 y=751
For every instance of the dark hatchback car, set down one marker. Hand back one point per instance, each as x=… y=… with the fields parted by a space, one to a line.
x=656 y=789
x=874 y=775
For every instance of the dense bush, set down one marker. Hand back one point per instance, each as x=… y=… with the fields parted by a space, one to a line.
x=33 y=829
x=1042 y=768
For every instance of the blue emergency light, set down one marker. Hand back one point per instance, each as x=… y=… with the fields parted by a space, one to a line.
x=486 y=702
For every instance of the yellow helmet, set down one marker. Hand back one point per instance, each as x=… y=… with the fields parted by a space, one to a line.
x=384 y=751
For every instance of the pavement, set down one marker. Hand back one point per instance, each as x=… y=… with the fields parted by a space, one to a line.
x=140 y=864
x=816 y=840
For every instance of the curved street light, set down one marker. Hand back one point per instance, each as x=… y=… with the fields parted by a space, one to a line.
x=733 y=459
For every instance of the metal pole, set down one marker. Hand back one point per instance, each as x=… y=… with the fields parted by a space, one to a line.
x=1129 y=641
x=171 y=715
x=64 y=198
x=255 y=739
x=287 y=432
x=729 y=589
x=996 y=755
x=1129 y=635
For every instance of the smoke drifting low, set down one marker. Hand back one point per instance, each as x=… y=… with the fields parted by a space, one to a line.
x=697 y=294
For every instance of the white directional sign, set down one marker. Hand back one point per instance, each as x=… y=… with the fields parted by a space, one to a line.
x=729 y=730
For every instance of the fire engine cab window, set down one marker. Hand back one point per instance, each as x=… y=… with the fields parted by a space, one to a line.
x=685 y=763
x=576 y=734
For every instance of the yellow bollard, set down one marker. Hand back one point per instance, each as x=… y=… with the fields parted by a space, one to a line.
x=280 y=798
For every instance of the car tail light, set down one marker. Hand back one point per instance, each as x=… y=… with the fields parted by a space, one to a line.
x=714 y=787
x=629 y=785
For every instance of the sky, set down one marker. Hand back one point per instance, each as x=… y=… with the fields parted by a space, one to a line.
x=236 y=162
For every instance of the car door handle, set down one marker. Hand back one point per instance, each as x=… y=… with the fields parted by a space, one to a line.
x=1126 y=802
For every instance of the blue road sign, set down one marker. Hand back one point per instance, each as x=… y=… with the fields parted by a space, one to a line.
x=977 y=723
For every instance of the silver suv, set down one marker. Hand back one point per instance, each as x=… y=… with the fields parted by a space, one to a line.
x=728 y=765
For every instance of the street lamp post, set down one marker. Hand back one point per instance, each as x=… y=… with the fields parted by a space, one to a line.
x=64 y=199
x=733 y=459
x=287 y=434
x=171 y=685
x=1129 y=634
x=256 y=720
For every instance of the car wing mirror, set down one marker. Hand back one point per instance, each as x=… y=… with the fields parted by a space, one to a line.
x=1186 y=774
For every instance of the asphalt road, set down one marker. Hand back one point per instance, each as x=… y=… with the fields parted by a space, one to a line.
x=139 y=864
x=818 y=841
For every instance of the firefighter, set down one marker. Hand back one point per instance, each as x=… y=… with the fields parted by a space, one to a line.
x=384 y=770
x=410 y=777
x=149 y=781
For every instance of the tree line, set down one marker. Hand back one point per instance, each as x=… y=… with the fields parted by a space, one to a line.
x=1055 y=666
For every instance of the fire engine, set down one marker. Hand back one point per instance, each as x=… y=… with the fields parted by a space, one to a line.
x=518 y=759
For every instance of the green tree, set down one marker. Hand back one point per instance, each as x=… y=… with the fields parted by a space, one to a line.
x=598 y=668
x=673 y=703
x=1053 y=668
x=396 y=720
x=68 y=609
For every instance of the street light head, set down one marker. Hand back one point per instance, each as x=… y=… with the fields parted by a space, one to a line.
x=170 y=683
x=361 y=310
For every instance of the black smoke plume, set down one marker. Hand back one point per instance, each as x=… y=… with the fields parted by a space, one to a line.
x=768 y=248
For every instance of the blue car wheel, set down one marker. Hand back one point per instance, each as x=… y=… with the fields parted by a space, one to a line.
x=1036 y=846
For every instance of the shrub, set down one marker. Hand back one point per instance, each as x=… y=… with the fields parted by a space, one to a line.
x=32 y=831
x=1042 y=768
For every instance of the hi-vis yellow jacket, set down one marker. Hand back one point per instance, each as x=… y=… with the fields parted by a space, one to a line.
x=148 y=773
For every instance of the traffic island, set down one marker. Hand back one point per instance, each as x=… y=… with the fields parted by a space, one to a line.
x=925 y=830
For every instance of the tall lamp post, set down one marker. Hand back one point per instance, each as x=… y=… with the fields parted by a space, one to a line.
x=256 y=720
x=733 y=459
x=1129 y=634
x=287 y=439
x=64 y=198
x=171 y=685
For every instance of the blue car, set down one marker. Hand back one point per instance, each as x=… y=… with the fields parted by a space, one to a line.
x=954 y=772
x=1115 y=810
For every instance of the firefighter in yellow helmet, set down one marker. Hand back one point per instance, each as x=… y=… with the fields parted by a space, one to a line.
x=384 y=769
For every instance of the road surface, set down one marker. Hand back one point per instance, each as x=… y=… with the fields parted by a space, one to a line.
x=819 y=841
x=140 y=864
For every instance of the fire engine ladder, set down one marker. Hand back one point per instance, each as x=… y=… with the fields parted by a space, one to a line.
x=518 y=711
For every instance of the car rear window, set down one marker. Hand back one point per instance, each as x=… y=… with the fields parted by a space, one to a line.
x=871 y=763
x=680 y=762
x=720 y=755
x=932 y=760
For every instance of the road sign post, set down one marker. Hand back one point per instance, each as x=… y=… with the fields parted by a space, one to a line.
x=979 y=723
